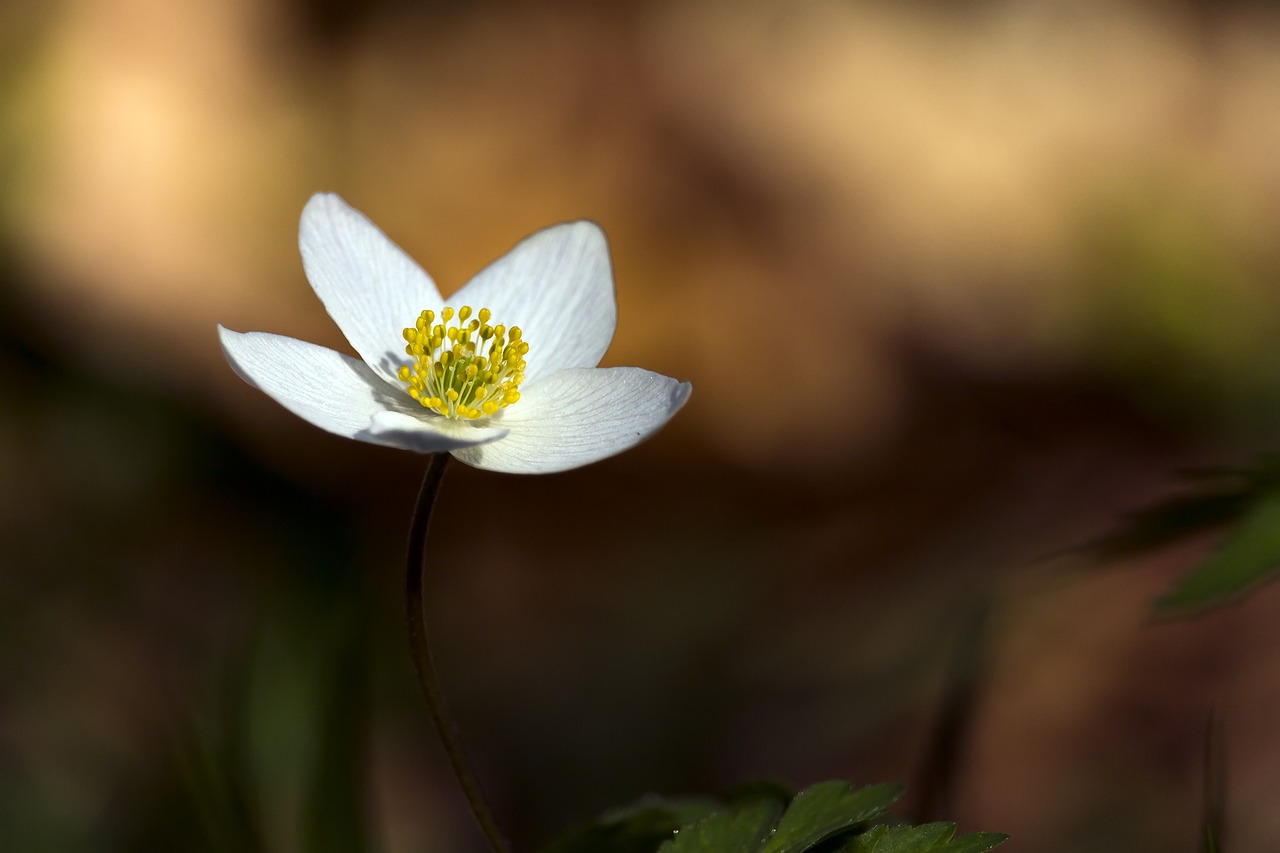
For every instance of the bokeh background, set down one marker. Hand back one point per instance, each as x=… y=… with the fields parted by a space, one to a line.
x=957 y=284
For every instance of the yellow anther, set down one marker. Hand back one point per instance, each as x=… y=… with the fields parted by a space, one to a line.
x=466 y=369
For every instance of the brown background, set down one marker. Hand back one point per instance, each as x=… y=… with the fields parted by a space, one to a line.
x=956 y=284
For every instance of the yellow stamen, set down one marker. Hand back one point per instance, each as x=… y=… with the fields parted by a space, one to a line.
x=463 y=370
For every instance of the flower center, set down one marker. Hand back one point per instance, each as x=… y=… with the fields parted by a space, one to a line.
x=463 y=369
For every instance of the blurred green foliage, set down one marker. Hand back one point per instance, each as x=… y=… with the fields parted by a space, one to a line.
x=1245 y=502
x=1182 y=312
x=252 y=736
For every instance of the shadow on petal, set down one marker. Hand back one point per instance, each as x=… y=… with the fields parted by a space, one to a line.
x=423 y=433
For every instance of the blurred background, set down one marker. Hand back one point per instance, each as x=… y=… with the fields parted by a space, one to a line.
x=958 y=284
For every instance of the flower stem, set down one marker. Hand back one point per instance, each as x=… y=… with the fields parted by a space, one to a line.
x=420 y=648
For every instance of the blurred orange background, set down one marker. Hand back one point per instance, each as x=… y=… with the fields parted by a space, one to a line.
x=956 y=284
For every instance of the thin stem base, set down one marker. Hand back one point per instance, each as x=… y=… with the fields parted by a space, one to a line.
x=420 y=649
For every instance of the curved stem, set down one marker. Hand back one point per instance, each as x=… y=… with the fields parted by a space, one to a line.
x=420 y=647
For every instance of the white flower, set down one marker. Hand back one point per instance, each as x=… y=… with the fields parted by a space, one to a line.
x=502 y=374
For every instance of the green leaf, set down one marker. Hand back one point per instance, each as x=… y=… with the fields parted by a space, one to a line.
x=1249 y=555
x=826 y=809
x=977 y=842
x=927 y=838
x=740 y=830
x=1219 y=499
x=757 y=819
x=1244 y=500
x=638 y=828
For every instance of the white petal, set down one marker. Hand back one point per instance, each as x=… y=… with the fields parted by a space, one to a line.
x=335 y=392
x=428 y=433
x=576 y=417
x=369 y=286
x=557 y=286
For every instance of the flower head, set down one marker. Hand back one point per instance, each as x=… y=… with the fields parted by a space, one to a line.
x=502 y=374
